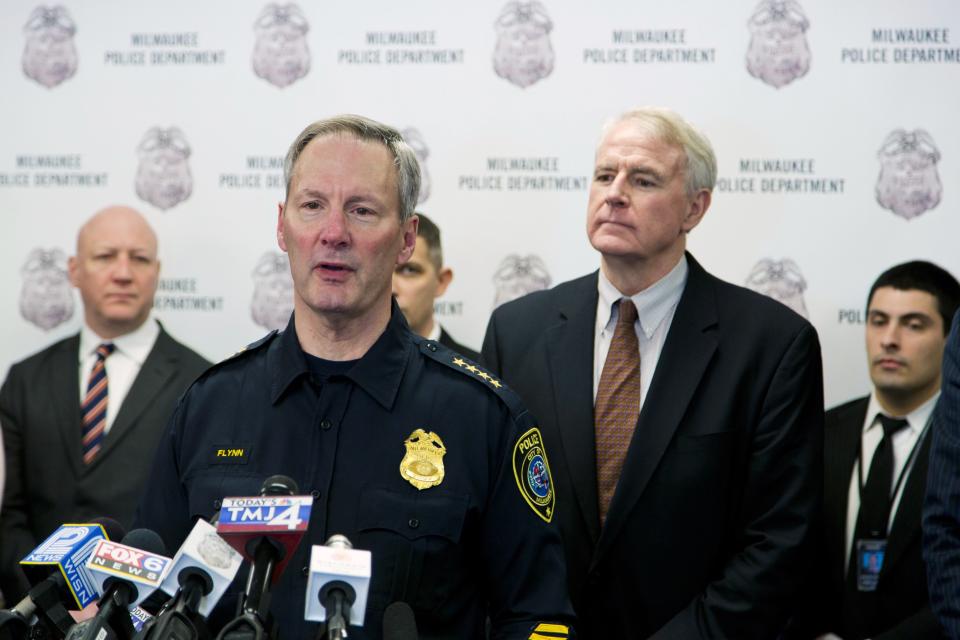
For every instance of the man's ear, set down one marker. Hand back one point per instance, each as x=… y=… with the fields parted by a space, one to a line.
x=72 y=269
x=697 y=208
x=408 y=230
x=445 y=277
x=280 y=239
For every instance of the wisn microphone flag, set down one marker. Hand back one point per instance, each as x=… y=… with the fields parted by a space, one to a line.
x=67 y=550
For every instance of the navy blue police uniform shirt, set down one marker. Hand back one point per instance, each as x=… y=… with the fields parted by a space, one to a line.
x=477 y=543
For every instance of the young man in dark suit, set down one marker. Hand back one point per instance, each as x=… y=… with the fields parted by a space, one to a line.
x=420 y=281
x=686 y=437
x=82 y=418
x=870 y=580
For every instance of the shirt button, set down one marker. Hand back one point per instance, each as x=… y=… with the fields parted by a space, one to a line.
x=432 y=346
x=413 y=523
x=315 y=494
x=325 y=424
x=216 y=503
x=305 y=570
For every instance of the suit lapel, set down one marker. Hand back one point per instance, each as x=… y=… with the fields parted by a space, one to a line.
x=570 y=354
x=65 y=382
x=157 y=371
x=842 y=445
x=688 y=349
x=906 y=522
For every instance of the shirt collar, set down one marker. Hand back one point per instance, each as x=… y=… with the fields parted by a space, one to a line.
x=136 y=345
x=916 y=419
x=378 y=371
x=653 y=303
x=435 y=332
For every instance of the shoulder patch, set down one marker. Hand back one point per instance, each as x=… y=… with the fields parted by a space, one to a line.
x=531 y=470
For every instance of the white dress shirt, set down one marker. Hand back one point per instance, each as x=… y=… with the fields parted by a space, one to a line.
x=122 y=365
x=904 y=442
x=655 y=308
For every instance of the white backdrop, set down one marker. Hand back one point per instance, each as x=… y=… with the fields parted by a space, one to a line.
x=506 y=100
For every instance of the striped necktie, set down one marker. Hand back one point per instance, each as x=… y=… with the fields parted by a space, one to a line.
x=617 y=405
x=93 y=409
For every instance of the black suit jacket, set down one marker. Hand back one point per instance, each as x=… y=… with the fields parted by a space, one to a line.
x=47 y=481
x=450 y=343
x=708 y=533
x=903 y=607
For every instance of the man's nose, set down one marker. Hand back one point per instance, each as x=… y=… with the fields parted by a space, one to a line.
x=122 y=268
x=335 y=232
x=616 y=194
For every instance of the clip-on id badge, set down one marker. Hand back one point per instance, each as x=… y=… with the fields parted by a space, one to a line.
x=869 y=563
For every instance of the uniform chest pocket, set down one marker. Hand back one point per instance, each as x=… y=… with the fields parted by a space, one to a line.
x=418 y=544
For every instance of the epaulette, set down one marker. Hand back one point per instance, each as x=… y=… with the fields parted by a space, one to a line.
x=446 y=356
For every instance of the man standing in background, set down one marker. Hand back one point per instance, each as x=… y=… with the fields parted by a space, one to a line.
x=81 y=419
x=685 y=414
x=418 y=282
x=869 y=578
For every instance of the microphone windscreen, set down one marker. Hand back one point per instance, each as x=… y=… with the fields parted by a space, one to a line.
x=114 y=529
x=145 y=540
x=399 y=622
x=279 y=485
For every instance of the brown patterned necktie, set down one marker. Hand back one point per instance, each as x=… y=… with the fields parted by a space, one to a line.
x=617 y=405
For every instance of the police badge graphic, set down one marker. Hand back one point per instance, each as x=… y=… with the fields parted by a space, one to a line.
x=780 y=280
x=517 y=276
x=415 y=140
x=163 y=177
x=909 y=183
x=531 y=470
x=281 y=55
x=49 y=56
x=523 y=53
x=46 y=299
x=272 y=301
x=778 y=53
x=422 y=465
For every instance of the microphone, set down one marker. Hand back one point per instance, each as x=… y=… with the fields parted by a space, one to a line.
x=201 y=571
x=57 y=572
x=399 y=622
x=266 y=530
x=339 y=579
x=126 y=574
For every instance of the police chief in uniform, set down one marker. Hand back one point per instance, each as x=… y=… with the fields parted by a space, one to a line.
x=409 y=450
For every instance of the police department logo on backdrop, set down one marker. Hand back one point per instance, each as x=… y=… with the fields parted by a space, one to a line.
x=281 y=55
x=778 y=52
x=780 y=280
x=49 y=56
x=523 y=54
x=415 y=140
x=909 y=184
x=46 y=299
x=163 y=177
x=272 y=301
x=517 y=276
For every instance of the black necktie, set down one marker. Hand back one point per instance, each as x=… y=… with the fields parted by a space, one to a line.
x=860 y=608
x=875 y=498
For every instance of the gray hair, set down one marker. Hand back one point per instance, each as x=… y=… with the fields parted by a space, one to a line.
x=361 y=128
x=669 y=127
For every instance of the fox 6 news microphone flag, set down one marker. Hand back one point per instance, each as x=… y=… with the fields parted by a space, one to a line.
x=113 y=560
